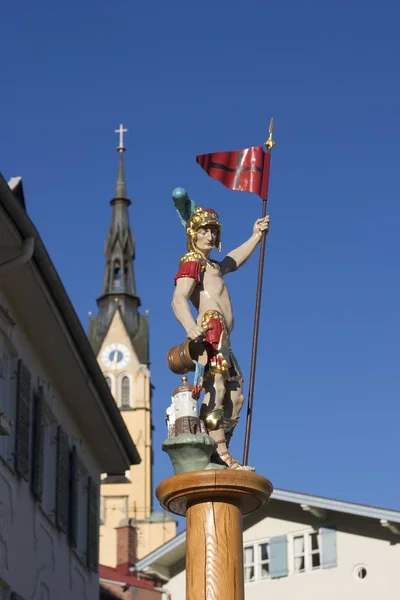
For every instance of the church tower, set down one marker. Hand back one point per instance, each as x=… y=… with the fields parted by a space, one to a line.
x=120 y=338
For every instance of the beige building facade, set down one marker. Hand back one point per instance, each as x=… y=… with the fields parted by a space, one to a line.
x=59 y=426
x=120 y=338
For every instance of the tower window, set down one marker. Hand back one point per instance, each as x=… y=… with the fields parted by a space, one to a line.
x=126 y=275
x=125 y=392
x=108 y=381
x=117 y=276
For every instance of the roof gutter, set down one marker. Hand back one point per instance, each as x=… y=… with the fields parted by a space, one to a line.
x=22 y=258
x=56 y=289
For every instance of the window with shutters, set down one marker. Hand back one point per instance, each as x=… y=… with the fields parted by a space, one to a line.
x=92 y=526
x=125 y=392
x=249 y=564
x=63 y=481
x=50 y=448
x=84 y=514
x=257 y=561
x=73 y=500
x=22 y=446
x=306 y=553
x=38 y=441
x=8 y=400
x=284 y=555
x=263 y=560
x=81 y=507
x=109 y=383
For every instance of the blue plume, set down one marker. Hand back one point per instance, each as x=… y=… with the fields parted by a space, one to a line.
x=185 y=207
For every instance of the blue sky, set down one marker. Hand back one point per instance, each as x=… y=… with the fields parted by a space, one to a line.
x=188 y=78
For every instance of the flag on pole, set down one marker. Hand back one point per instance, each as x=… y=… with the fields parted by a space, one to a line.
x=241 y=170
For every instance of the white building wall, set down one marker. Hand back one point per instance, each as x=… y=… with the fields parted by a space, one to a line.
x=177 y=586
x=380 y=559
x=36 y=560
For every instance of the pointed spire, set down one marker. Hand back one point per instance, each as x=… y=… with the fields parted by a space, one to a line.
x=119 y=288
x=120 y=188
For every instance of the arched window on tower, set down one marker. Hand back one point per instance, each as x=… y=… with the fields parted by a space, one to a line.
x=108 y=381
x=126 y=276
x=125 y=392
x=117 y=276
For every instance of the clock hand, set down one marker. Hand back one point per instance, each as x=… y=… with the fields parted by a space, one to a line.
x=115 y=361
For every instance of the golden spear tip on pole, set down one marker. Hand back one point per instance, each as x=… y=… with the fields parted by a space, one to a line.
x=269 y=144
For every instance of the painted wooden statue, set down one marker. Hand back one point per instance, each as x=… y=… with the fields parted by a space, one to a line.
x=200 y=281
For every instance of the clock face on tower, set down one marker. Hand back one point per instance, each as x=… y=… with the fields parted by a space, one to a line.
x=115 y=356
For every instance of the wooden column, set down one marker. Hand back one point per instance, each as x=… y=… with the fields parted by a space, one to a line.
x=214 y=503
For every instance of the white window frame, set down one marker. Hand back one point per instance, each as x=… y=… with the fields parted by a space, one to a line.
x=250 y=564
x=257 y=560
x=82 y=517
x=308 y=551
x=260 y=562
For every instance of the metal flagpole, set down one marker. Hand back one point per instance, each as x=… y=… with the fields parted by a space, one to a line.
x=269 y=144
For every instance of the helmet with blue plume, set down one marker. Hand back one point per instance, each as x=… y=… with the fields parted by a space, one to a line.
x=193 y=217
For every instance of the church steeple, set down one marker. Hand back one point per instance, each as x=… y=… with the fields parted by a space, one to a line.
x=120 y=246
x=119 y=335
x=119 y=287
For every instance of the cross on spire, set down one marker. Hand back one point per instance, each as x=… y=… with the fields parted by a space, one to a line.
x=121 y=132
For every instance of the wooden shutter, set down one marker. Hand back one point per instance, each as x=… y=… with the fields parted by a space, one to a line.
x=62 y=491
x=38 y=445
x=328 y=547
x=73 y=498
x=278 y=561
x=93 y=526
x=23 y=420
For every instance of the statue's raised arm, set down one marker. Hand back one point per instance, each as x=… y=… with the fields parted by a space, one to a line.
x=237 y=257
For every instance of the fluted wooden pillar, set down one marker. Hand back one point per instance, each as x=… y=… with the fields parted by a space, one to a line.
x=214 y=503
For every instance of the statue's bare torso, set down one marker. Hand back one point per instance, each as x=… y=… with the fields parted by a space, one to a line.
x=212 y=294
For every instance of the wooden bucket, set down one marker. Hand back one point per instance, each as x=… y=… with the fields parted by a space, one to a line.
x=180 y=358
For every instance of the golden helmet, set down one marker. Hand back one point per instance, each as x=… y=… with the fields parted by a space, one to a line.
x=201 y=218
x=193 y=217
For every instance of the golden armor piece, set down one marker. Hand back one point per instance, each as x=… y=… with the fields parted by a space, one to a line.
x=214 y=419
